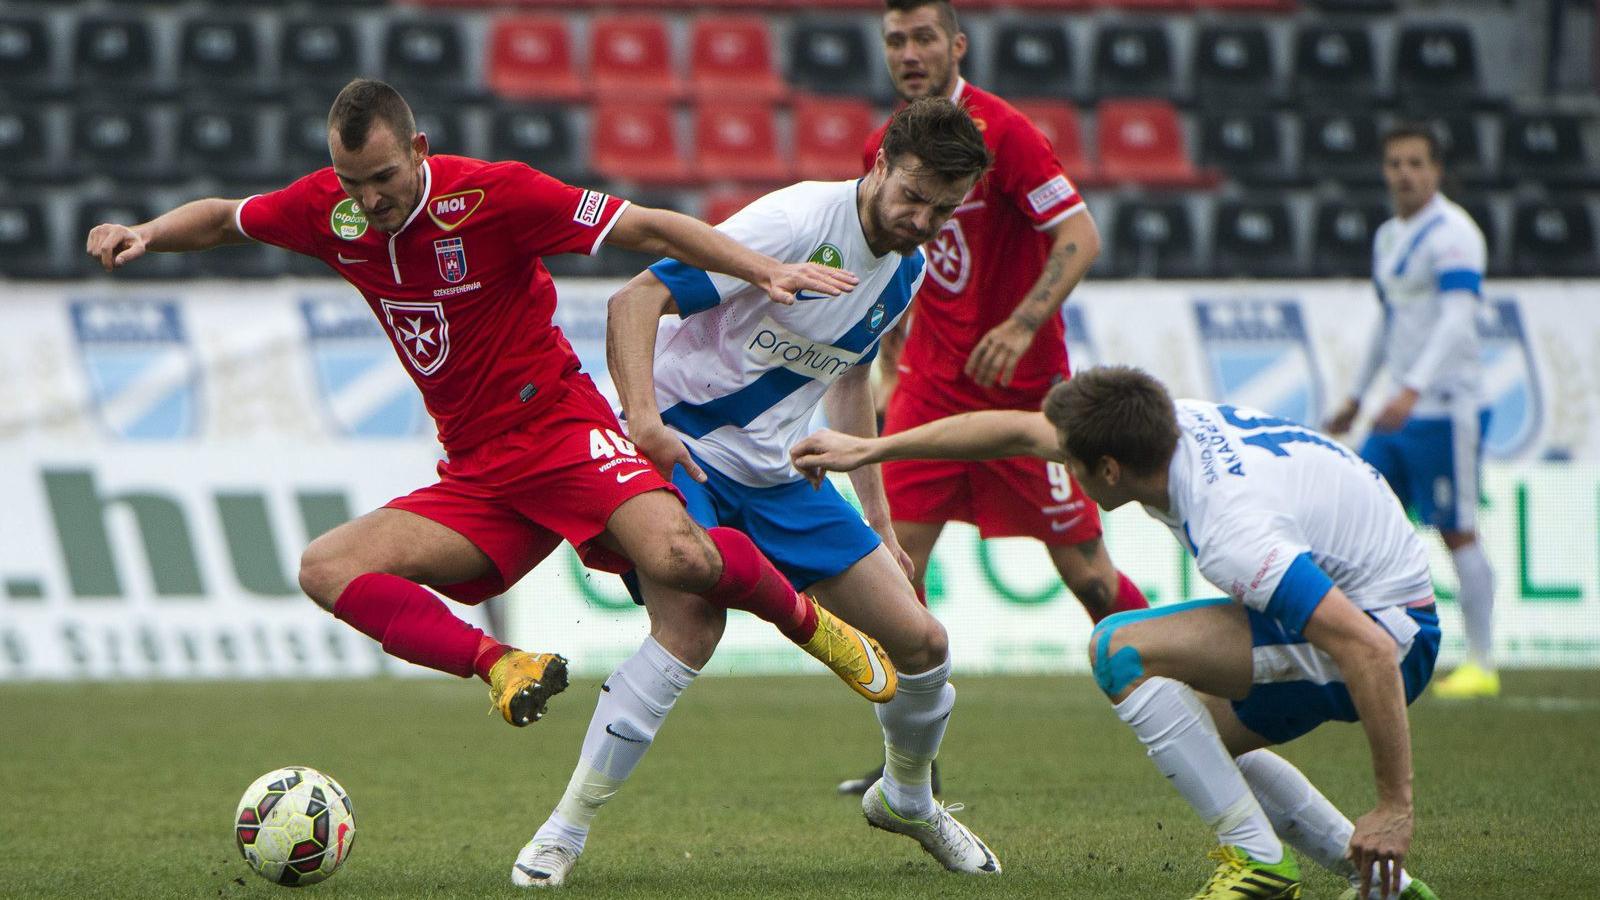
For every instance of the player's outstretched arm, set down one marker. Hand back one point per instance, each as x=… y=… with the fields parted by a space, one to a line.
x=632 y=315
x=1365 y=654
x=661 y=232
x=199 y=225
x=990 y=434
x=848 y=404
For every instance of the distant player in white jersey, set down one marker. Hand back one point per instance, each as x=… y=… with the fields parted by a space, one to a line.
x=1427 y=266
x=1330 y=613
x=716 y=383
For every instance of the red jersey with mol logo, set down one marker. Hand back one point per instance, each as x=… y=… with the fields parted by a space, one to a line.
x=987 y=257
x=460 y=289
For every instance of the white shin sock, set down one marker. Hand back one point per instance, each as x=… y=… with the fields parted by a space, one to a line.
x=913 y=727
x=1477 y=601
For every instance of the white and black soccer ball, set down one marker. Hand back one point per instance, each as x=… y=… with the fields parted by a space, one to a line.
x=295 y=826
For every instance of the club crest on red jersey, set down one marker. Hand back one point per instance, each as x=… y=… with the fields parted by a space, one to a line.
x=421 y=332
x=949 y=260
x=452 y=257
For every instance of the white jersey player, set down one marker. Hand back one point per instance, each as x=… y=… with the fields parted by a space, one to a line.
x=1427 y=267
x=1329 y=614
x=716 y=384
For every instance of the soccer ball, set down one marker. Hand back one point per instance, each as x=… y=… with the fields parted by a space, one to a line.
x=295 y=826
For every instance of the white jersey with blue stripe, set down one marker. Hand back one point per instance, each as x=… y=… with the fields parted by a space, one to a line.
x=1415 y=262
x=739 y=376
x=1276 y=514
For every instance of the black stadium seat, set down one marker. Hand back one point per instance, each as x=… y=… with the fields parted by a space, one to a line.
x=426 y=57
x=446 y=130
x=1547 y=148
x=1436 y=68
x=830 y=57
x=26 y=58
x=1462 y=148
x=1334 y=68
x=1133 y=61
x=305 y=141
x=541 y=136
x=1554 y=239
x=25 y=240
x=221 y=55
x=1341 y=239
x=1233 y=67
x=318 y=56
x=115 y=55
x=1247 y=146
x=1253 y=238
x=119 y=142
x=1154 y=239
x=1341 y=147
x=25 y=148
x=121 y=211
x=1032 y=59
x=227 y=144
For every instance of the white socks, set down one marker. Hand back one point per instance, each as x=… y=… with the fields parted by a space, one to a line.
x=1477 y=602
x=913 y=727
x=633 y=703
x=1300 y=814
x=1182 y=741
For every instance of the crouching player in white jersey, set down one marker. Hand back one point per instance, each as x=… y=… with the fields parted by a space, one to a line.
x=1331 y=612
x=715 y=395
x=1427 y=266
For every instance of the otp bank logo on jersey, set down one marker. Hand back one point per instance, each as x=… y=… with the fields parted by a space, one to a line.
x=143 y=376
x=364 y=392
x=421 y=332
x=773 y=346
x=451 y=255
x=1260 y=357
x=949 y=261
x=1510 y=383
x=348 y=221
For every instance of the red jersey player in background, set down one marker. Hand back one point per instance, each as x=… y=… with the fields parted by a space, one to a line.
x=446 y=251
x=986 y=332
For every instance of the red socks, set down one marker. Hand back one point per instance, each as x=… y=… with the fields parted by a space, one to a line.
x=415 y=625
x=750 y=582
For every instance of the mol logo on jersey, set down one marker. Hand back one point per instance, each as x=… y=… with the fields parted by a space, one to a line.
x=1510 y=385
x=451 y=210
x=143 y=376
x=421 y=332
x=364 y=392
x=451 y=255
x=1260 y=357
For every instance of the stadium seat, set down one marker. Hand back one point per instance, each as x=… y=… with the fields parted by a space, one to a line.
x=27 y=66
x=1264 y=6
x=541 y=136
x=732 y=59
x=1254 y=239
x=828 y=56
x=1058 y=121
x=1462 y=149
x=319 y=56
x=1233 y=67
x=1356 y=6
x=250 y=260
x=636 y=143
x=427 y=57
x=1554 y=238
x=305 y=142
x=25 y=147
x=1154 y=239
x=719 y=205
x=530 y=58
x=1133 y=60
x=1141 y=141
x=121 y=211
x=1341 y=238
x=447 y=131
x=221 y=55
x=1478 y=207
x=1334 y=68
x=1548 y=148
x=630 y=59
x=1179 y=6
x=738 y=142
x=1032 y=59
x=830 y=135
x=116 y=55
x=1436 y=68
x=119 y=142
x=1246 y=146
x=26 y=249
x=1341 y=147
x=227 y=144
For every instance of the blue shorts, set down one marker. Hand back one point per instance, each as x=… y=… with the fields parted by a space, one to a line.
x=1432 y=465
x=810 y=535
x=1297 y=687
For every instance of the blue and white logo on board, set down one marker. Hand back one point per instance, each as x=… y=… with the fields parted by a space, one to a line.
x=143 y=375
x=365 y=391
x=1510 y=381
x=1080 y=349
x=1260 y=356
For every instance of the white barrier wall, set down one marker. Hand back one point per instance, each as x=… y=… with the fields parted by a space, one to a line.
x=167 y=450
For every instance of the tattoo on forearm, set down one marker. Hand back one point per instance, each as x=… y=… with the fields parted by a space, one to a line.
x=1028 y=313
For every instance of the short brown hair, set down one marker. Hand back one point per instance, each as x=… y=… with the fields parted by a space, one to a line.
x=1115 y=411
x=947 y=13
x=363 y=102
x=940 y=135
x=1417 y=131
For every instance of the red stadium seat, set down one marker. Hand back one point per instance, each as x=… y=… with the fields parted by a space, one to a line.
x=530 y=58
x=630 y=58
x=829 y=136
x=1268 y=6
x=732 y=58
x=1059 y=122
x=719 y=205
x=1143 y=5
x=738 y=142
x=1142 y=141
x=637 y=143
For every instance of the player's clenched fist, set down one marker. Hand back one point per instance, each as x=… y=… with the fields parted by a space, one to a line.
x=115 y=245
x=828 y=451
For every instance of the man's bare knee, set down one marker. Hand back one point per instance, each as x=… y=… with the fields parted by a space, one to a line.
x=931 y=647
x=323 y=575
x=690 y=635
x=685 y=560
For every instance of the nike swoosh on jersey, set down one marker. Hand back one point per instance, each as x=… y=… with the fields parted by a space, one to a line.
x=1063 y=526
x=625 y=477
x=880 y=678
x=802 y=295
x=349 y=260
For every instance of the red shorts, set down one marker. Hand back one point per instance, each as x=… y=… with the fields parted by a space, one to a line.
x=1017 y=497
x=516 y=496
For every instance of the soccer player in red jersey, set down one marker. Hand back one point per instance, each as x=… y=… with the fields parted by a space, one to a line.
x=446 y=251
x=986 y=332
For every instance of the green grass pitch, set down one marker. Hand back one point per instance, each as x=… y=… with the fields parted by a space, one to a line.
x=128 y=791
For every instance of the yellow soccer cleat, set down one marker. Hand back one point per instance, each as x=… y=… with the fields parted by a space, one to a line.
x=1238 y=877
x=520 y=684
x=1468 y=682
x=852 y=656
